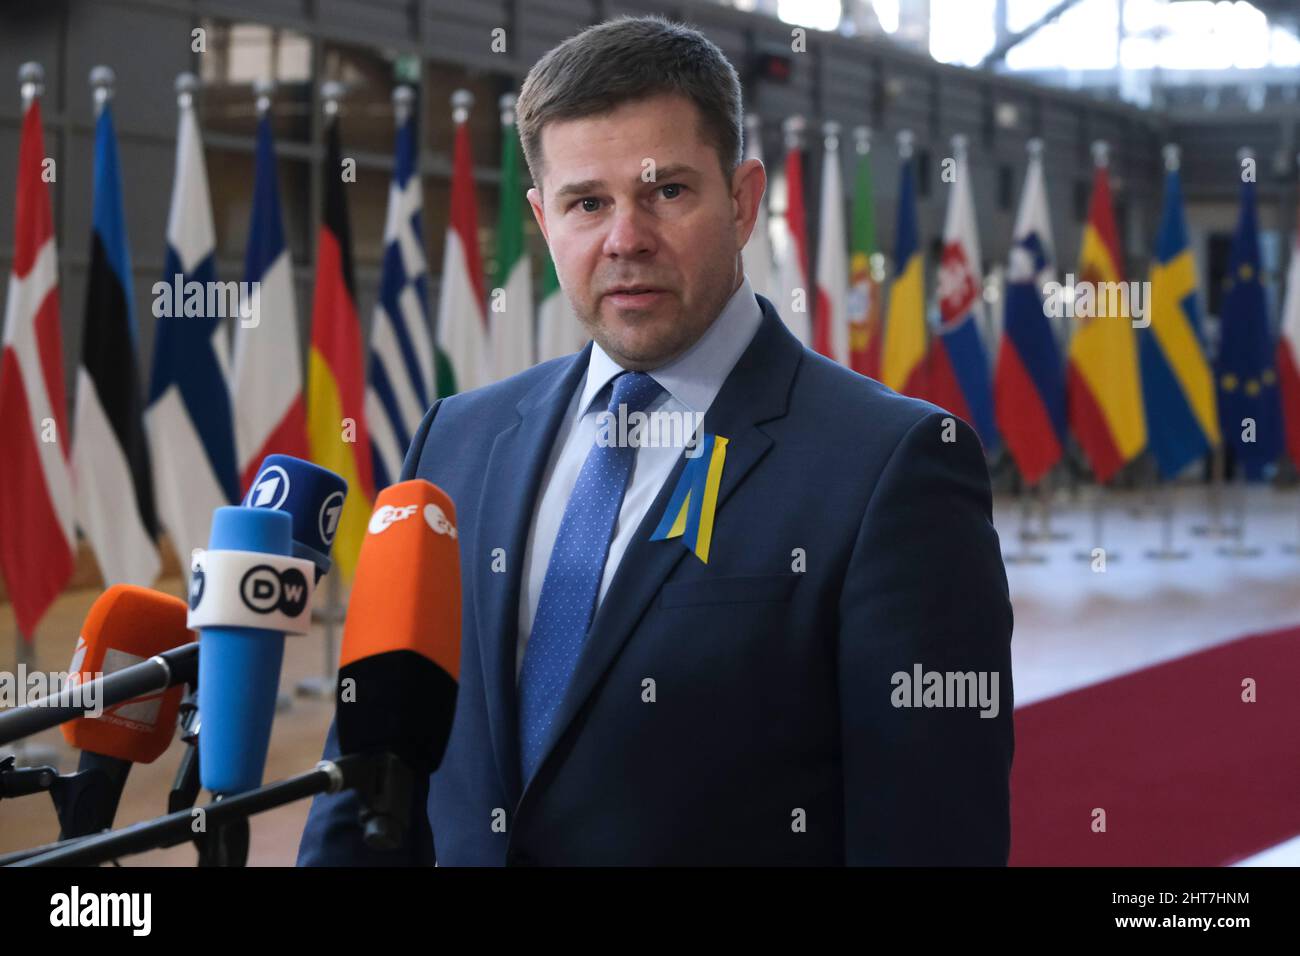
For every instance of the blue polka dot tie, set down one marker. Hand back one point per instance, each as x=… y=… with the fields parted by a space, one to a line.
x=573 y=575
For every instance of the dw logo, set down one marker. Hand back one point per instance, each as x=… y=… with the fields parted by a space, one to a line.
x=263 y=590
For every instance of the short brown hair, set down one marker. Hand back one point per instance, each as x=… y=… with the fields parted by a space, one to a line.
x=631 y=58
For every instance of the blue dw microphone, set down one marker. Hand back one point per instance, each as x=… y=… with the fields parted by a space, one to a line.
x=247 y=590
x=311 y=495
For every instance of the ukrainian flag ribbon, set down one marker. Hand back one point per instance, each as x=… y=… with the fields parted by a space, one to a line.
x=690 y=511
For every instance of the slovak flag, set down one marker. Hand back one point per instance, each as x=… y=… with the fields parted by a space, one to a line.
x=36 y=500
x=958 y=374
x=270 y=417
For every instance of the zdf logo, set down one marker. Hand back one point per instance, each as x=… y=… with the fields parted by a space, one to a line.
x=264 y=590
x=385 y=515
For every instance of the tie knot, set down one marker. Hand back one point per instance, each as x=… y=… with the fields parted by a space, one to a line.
x=635 y=390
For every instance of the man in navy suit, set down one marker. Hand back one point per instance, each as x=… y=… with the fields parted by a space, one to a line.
x=833 y=685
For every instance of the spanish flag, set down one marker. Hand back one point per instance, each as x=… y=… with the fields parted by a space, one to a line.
x=1103 y=389
x=903 y=348
x=336 y=422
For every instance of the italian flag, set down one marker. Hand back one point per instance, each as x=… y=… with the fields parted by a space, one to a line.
x=511 y=310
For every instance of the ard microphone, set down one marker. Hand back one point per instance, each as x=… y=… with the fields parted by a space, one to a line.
x=400 y=661
x=311 y=495
x=246 y=592
x=126 y=626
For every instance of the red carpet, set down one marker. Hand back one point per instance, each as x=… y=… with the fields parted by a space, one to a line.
x=1188 y=774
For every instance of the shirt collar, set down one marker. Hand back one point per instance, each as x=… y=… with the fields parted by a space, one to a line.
x=695 y=377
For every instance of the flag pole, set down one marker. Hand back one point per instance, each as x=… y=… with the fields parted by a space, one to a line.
x=31 y=84
x=333 y=613
x=1238 y=548
x=1026 y=555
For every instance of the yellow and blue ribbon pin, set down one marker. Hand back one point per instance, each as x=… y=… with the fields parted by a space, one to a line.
x=690 y=511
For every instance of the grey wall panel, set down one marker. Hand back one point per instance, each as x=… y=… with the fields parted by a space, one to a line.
x=357 y=20
x=116 y=35
x=30 y=31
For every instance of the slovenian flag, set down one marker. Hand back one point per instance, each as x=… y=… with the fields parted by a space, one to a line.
x=400 y=388
x=110 y=455
x=902 y=354
x=336 y=385
x=267 y=378
x=463 y=361
x=1028 y=385
x=36 y=499
x=957 y=375
x=1249 y=405
x=1104 y=392
x=1177 y=385
x=189 y=417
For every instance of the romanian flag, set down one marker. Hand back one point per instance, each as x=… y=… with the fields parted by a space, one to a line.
x=1104 y=392
x=336 y=384
x=1177 y=385
x=864 y=284
x=902 y=358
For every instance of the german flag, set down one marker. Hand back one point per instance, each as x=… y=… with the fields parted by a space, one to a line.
x=336 y=423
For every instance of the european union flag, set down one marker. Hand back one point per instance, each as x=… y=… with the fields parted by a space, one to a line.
x=1249 y=408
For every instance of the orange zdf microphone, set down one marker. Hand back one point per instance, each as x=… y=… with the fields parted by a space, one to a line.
x=399 y=665
x=127 y=625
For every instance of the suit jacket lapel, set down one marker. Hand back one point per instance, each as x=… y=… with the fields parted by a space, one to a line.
x=505 y=508
x=756 y=391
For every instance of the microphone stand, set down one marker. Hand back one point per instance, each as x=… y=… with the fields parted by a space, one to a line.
x=370 y=774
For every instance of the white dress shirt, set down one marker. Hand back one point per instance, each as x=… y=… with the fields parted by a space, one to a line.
x=691 y=381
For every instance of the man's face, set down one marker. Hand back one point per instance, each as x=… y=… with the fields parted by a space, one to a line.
x=635 y=200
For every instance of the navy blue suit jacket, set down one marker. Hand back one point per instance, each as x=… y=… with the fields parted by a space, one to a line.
x=744 y=711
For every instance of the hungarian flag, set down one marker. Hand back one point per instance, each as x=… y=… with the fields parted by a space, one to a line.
x=757 y=254
x=512 y=299
x=1104 y=392
x=110 y=454
x=830 y=319
x=336 y=385
x=957 y=365
x=1177 y=384
x=189 y=417
x=36 y=500
x=792 y=252
x=400 y=386
x=864 y=284
x=463 y=362
x=902 y=354
x=267 y=377
x=1250 y=409
x=558 y=330
x=1288 y=355
x=1028 y=385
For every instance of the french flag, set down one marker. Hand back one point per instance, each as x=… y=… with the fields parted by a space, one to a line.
x=958 y=374
x=270 y=415
x=36 y=499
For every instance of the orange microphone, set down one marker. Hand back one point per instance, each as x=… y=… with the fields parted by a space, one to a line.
x=399 y=665
x=126 y=626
